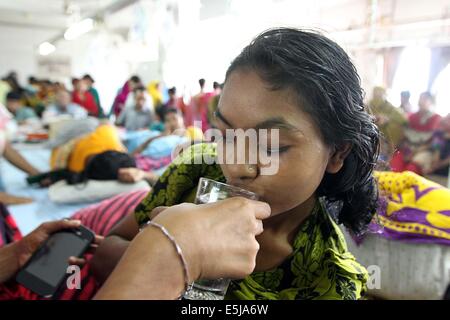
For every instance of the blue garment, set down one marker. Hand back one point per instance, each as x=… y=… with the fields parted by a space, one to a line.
x=134 y=139
x=157 y=126
x=72 y=109
x=163 y=147
x=24 y=113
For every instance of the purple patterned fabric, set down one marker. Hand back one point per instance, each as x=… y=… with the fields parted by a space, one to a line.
x=418 y=213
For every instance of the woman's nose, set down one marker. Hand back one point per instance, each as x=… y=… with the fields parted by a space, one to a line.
x=239 y=161
x=237 y=173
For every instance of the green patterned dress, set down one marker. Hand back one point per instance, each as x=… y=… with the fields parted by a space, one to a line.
x=320 y=266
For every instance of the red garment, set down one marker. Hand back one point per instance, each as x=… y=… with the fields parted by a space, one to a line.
x=197 y=110
x=398 y=164
x=87 y=101
x=426 y=125
x=9 y=232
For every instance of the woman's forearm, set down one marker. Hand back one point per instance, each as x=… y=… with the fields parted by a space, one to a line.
x=18 y=161
x=9 y=264
x=107 y=256
x=150 y=269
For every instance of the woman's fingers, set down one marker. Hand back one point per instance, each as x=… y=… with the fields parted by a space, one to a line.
x=262 y=210
x=98 y=239
x=218 y=238
x=259 y=228
x=53 y=226
x=77 y=261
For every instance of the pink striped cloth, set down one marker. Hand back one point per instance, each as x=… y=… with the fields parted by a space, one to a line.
x=149 y=164
x=103 y=216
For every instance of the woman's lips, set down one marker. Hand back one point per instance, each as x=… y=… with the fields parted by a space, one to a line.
x=248 y=188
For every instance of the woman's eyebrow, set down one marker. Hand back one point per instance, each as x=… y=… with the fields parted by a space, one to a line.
x=271 y=123
x=276 y=123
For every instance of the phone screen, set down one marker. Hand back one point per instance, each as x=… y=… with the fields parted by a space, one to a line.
x=50 y=262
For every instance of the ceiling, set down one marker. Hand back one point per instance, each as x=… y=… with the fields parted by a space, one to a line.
x=47 y=14
x=35 y=21
x=32 y=22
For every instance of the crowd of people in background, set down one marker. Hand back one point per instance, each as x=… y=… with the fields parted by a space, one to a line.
x=135 y=106
x=412 y=141
x=129 y=142
x=415 y=141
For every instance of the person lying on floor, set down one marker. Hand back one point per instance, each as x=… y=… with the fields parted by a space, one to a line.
x=99 y=180
x=304 y=85
x=72 y=157
x=73 y=154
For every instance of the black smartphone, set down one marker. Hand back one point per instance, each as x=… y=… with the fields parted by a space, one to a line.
x=46 y=270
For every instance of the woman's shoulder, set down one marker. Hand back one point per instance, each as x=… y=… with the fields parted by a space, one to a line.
x=179 y=182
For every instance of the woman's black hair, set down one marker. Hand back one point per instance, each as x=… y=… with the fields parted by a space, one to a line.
x=171 y=110
x=103 y=166
x=135 y=79
x=14 y=95
x=329 y=89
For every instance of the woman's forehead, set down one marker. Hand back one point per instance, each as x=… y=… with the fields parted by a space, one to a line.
x=247 y=101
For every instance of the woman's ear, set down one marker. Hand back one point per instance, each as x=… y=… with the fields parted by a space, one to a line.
x=337 y=158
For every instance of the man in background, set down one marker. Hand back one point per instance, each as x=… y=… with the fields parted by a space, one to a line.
x=64 y=106
x=15 y=105
x=137 y=117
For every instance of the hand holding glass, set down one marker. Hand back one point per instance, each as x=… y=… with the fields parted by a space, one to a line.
x=210 y=191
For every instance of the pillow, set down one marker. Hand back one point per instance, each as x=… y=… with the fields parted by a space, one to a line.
x=91 y=191
x=407 y=270
x=411 y=249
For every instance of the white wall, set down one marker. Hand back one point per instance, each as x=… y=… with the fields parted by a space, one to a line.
x=18 y=50
x=204 y=48
x=211 y=32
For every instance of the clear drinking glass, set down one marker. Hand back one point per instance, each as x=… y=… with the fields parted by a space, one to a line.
x=211 y=191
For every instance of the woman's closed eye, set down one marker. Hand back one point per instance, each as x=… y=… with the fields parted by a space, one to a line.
x=271 y=151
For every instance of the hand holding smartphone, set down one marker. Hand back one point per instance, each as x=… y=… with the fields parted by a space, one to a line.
x=46 y=270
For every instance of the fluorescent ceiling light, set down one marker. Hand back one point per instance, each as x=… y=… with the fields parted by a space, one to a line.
x=78 y=29
x=46 y=48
